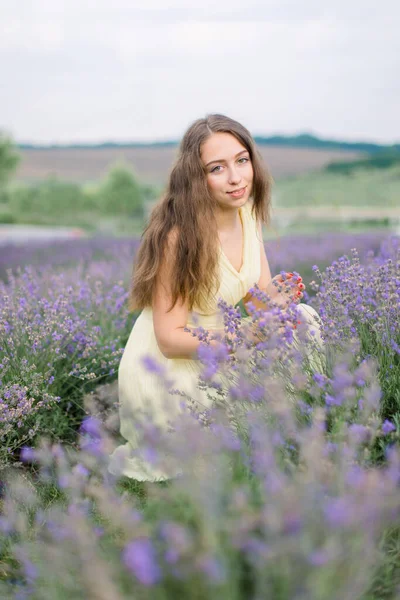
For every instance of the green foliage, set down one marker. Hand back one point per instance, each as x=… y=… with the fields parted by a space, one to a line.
x=120 y=196
x=6 y=216
x=49 y=197
x=121 y=193
x=9 y=158
x=381 y=160
x=150 y=192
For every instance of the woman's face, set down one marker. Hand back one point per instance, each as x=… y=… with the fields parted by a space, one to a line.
x=230 y=170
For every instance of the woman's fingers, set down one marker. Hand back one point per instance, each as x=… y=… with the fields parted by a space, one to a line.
x=291 y=278
x=286 y=288
x=293 y=283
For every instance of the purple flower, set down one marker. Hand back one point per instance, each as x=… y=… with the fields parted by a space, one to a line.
x=6 y=526
x=29 y=568
x=387 y=427
x=178 y=540
x=318 y=558
x=212 y=568
x=292 y=522
x=95 y=447
x=338 y=512
x=81 y=470
x=152 y=366
x=226 y=436
x=140 y=558
x=355 y=477
x=320 y=379
x=27 y=454
x=91 y=426
x=330 y=448
x=359 y=433
x=305 y=408
x=98 y=531
x=332 y=401
x=209 y=371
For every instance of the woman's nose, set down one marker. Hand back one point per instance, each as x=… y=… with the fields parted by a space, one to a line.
x=234 y=176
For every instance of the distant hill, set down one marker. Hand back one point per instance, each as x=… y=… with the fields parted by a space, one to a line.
x=103 y=145
x=152 y=164
x=377 y=160
x=309 y=141
x=303 y=140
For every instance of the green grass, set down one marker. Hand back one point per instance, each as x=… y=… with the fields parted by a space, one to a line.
x=363 y=188
x=387 y=576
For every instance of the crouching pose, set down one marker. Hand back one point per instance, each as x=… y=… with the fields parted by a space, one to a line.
x=203 y=242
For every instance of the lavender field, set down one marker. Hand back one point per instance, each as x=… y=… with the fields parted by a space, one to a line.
x=288 y=488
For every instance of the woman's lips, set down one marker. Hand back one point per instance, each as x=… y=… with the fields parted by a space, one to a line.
x=238 y=194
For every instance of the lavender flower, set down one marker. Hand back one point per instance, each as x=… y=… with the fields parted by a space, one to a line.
x=140 y=558
x=388 y=427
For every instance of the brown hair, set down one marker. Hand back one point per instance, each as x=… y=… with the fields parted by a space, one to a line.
x=187 y=210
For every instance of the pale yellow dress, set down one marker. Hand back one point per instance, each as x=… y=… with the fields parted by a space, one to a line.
x=140 y=389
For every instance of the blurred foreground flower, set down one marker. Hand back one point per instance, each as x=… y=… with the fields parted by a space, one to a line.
x=272 y=502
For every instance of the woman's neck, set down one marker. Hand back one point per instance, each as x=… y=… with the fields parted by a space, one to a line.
x=227 y=220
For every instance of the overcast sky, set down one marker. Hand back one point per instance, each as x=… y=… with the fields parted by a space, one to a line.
x=76 y=71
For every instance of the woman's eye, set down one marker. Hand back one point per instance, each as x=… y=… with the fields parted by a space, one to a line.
x=218 y=167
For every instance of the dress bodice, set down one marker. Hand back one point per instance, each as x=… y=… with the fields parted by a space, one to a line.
x=234 y=284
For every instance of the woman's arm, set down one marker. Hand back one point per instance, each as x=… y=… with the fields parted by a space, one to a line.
x=171 y=338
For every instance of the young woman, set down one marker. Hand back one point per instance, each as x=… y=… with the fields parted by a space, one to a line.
x=203 y=242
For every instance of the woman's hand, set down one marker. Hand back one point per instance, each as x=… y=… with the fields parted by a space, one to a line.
x=256 y=335
x=282 y=290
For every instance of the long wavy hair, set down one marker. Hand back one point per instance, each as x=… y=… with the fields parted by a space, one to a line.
x=187 y=208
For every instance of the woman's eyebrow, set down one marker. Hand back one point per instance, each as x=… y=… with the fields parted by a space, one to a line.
x=222 y=160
